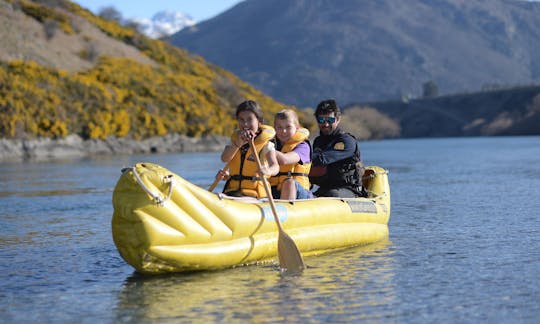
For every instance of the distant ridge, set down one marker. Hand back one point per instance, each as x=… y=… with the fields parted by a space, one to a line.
x=300 y=51
x=513 y=111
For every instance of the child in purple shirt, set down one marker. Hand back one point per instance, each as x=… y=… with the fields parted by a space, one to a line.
x=293 y=153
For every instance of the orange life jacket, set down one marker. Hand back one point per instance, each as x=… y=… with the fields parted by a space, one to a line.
x=243 y=167
x=298 y=171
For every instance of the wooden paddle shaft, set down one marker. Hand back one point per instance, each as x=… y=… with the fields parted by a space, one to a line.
x=289 y=255
x=216 y=181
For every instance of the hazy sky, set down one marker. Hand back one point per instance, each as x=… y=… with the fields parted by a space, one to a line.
x=198 y=9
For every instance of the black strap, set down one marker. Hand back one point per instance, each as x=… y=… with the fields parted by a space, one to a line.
x=240 y=177
x=293 y=174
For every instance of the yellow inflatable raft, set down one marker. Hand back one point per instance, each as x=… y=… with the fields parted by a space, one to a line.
x=163 y=223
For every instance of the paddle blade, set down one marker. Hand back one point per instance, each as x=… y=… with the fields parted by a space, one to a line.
x=290 y=259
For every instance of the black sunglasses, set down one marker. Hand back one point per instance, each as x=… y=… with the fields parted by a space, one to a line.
x=322 y=120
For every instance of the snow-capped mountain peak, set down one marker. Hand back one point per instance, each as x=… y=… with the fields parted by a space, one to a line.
x=164 y=23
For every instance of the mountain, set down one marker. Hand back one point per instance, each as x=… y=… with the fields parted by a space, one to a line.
x=164 y=23
x=301 y=51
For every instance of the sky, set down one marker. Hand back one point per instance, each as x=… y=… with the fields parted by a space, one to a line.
x=199 y=10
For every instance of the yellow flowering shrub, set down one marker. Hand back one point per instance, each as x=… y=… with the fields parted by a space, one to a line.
x=181 y=93
x=43 y=13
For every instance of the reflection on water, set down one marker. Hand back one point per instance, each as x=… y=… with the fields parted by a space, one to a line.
x=330 y=285
x=58 y=192
x=464 y=246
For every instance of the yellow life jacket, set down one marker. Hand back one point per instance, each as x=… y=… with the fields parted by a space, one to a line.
x=243 y=167
x=298 y=171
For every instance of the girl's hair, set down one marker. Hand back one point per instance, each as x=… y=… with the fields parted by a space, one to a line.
x=288 y=114
x=250 y=105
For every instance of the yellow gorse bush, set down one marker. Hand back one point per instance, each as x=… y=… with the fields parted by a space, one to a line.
x=44 y=13
x=181 y=93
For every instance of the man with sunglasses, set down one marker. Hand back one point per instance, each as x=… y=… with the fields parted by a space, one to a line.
x=336 y=163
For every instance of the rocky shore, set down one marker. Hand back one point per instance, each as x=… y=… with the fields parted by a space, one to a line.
x=74 y=146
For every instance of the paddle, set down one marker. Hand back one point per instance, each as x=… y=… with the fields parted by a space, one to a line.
x=216 y=181
x=289 y=256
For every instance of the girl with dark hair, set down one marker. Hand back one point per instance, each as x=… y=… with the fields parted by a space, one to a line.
x=244 y=176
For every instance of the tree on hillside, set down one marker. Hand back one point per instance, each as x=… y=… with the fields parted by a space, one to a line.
x=135 y=25
x=110 y=13
x=430 y=89
x=50 y=27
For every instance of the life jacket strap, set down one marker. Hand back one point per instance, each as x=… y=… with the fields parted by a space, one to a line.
x=293 y=174
x=239 y=177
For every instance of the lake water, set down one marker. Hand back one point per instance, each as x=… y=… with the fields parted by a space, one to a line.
x=464 y=246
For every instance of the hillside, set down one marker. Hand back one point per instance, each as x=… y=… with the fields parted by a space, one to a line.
x=65 y=71
x=66 y=74
x=491 y=113
x=300 y=51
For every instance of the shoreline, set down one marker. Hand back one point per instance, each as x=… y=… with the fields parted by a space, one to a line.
x=13 y=150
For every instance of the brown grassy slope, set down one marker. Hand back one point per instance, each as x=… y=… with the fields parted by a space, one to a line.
x=369 y=123
x=24 y=38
